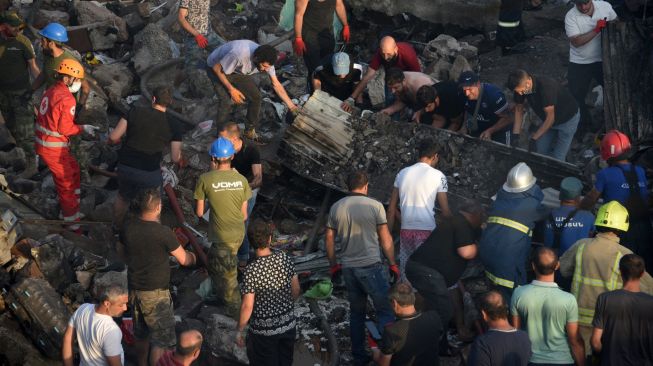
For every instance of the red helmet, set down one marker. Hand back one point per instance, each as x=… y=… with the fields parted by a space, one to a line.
x=614 y=144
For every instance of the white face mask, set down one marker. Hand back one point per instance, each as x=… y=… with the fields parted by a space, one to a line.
x=75 y=87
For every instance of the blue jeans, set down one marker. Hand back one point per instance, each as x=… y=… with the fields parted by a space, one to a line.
x=196 y=57
x=362 y=282
x=243 y=251
x=556 y=141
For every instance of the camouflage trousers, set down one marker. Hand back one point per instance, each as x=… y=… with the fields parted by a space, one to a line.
x=18 y=112
x=223 y=270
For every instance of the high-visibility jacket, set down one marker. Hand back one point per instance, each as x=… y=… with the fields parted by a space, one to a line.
x=510 y=13
x=55 y=120
x=506 y=241
x=593 y=265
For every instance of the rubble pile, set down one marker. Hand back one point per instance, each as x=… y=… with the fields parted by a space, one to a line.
x=446 y=58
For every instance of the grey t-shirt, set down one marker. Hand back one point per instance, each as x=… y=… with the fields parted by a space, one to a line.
x=236 y=57
x=355 y=219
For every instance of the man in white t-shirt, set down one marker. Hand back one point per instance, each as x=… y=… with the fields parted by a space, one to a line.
x=415 y=191
x=99 y=338
x=583 y=25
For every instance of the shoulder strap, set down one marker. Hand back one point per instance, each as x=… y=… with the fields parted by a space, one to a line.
x=557 y=229
x=631 y=178
x=474 y=122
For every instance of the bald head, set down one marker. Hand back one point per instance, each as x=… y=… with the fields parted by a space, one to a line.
x=545 y=261
x=388 y=48
x=494 y=306
x=189 y=344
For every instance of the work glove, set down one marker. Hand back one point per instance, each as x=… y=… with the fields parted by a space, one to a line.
x=335 y=270
x=371 y=342
x=514 y=139
x=237 y=96
x=600 y=24
x=90 y=129
x=394 y=273
x=348 y=105
x=532 y=145
x=202 y=42
x=345 y=34
x=299 y=46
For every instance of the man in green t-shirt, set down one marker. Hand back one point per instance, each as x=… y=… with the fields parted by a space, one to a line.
x=227 y=193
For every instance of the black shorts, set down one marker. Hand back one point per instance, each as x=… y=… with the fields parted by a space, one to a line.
x=131 y=181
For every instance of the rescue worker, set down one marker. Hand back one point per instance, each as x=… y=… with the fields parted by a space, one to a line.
x=594 y=264
x=17 y=61
x=506 y=241
x=510 y=30
x=54 y=126
x=626 y=183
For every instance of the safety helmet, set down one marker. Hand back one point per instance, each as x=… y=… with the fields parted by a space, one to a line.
x=54 y=32
x=614 y=144
x=612 y=215
x=71 y=67
x=11 y=18
x=520 y=179
x=222 y=148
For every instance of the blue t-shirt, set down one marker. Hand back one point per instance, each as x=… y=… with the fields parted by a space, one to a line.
x=493 y=102
x=612 y=183
x=579 y=227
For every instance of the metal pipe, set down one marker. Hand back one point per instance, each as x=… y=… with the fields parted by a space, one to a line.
x=331 y=338
x=174 y=203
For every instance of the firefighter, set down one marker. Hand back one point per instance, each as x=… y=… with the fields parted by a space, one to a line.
x=510 y=29
x=593 y=264
x=506 y=241
x=626 y=183
x=54 y=126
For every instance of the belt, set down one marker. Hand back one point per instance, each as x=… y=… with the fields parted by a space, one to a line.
x=50 y=144
x=510 y=223
x=500 y=281
x=508 y=24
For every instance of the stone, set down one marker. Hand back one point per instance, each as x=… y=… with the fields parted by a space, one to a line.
x=104 y=279
x=45 y=17
x=152 y=47
x=134 y=22
x=439 y=70
x=16 y=349
x=95 y=111
x=198 y=83
x=116 y=79
x=460 y=64
x=84 y=278
x=470 y=53
x=376 y=89
x=102 y=38
x=53 y=264
x=103 y=211
x=219 y=336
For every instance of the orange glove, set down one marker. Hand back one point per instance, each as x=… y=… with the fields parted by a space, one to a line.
x=237 y=96
x=202 y=42
x=345 y=34
x=299 y=46
x=600 y=24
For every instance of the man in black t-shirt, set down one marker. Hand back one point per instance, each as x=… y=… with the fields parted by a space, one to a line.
x=438 y=264
x=623 y=319
x=338 y=77
x=247 y=162
x=148 y=246
x=553 y=104
x=442 y=105
x=413 y=339
x=147 y=131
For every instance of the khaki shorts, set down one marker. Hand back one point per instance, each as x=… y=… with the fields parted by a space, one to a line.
x=153 y=316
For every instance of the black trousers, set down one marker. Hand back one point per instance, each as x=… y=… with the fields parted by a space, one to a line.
x=275 y=350
x=247 y=85
x=580 y=77
x=639 y=239
x=433 y=288
x=319 y=45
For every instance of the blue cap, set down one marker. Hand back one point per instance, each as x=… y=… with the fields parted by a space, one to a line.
x=55 y=32
x=570 y=188
x=222 y=148
x=340 y=62
x=468 y=78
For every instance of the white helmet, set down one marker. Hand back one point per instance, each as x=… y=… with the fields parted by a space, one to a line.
x=520 y=179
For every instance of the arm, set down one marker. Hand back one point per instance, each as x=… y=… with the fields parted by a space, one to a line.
x=582 y=39
x=246 y=308
x=456 y=122
x=392 y=208
x=114 y=360
x=341 y=12
x=576 y=343
x=443 y=201
x=217 y=69
x=184 y=257
x=40 y=79
x=295 y=289
x=243 y=209
x=330 y=243
x=34 y=68
x=595 y=341
x=467 y=251
x=281 y=92
x=257 y=171
x=567 y=261
x=519 y=118
x=516 y=321
x=199 y=208
x=317 y=84
x=502 y=123
x=590 y=199
x=300 y=9
x=118 y=132
x=380 y=358
x=394 y=108
x=369 y=75
x=175 y=151
x=66 y=124
x=181 y=17
x=548 y=122
x=385 y=240
x=67 y=346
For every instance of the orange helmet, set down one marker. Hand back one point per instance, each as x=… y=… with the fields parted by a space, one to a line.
x=614 y=144
x=71 y=68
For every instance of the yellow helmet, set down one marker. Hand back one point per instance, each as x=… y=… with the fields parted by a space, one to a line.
x=612 y=215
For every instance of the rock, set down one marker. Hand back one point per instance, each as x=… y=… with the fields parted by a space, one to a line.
x=439 y=69
x=84 y=278
x=53 y=263
x=102 y=38
x=263 y=38
x=134 y=22
x=220 y=338
x=460 y=64
x=376 y=88
x=16 y=349
x=116 y=80
x=104 y=279
x=45 y=17
x=95 y=111
x=103 y=211
x=470 y=53
x=198 y=83
x=473 y=39
x=152 y=47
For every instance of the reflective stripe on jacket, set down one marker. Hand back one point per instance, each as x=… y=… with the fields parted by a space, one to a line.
x=55 y=118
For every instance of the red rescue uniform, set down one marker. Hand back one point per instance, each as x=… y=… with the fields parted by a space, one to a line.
x=54 y=125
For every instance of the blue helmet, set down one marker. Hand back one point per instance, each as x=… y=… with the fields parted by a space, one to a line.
x=54 y=32
x=222 y=148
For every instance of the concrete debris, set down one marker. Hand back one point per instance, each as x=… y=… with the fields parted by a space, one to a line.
x=220 y=338
x=152 y=47
x=45 y=17
x=116 y=80
x=376 y=88
x=16 y=349
x=104 y=37
x=446 y=57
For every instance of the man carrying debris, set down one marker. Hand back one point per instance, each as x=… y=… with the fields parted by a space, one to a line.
x=412 y=202
x=338 y=77
x=147 y=131
x=187 y=351
x=441 y=105
x=232 y=66
x=314 y=30
x=227 y=193
x=404 y=85
x=148 y=247
x=490 y=119
x=99 y=338
x=506 y=240
x=360 y=224
x=17 y=62
x=55 y=124
x=553 y=104
x=583 y=25
x=390 y=54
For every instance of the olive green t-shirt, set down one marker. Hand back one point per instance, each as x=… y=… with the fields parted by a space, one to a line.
x=226 y=190
x=50 y=64
x=14 y=71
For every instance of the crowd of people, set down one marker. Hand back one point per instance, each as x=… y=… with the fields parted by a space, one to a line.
x=588 y=293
